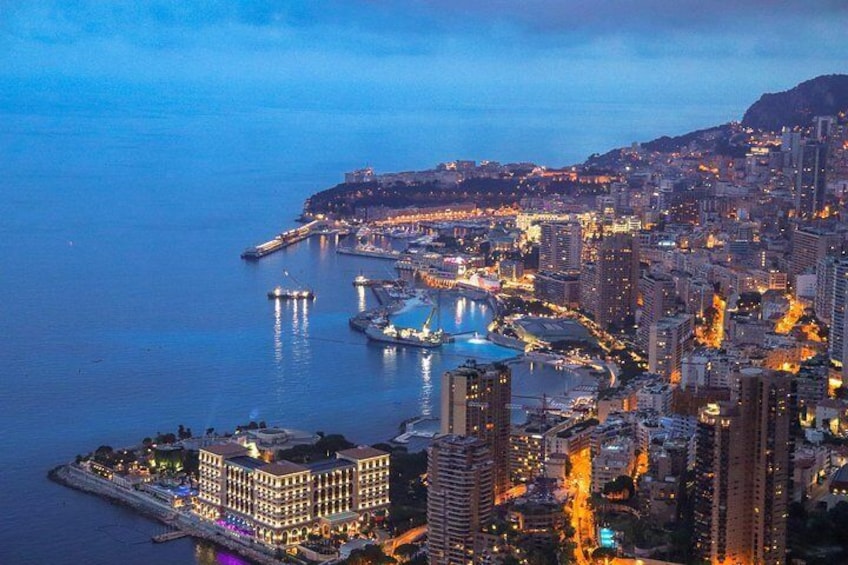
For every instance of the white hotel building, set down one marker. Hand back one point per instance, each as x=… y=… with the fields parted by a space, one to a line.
x=281 y=503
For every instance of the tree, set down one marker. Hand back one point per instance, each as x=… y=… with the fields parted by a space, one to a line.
x=407 y=550
x=332 y=443
x=183 y=432
x=369 y=555
x=621 y=488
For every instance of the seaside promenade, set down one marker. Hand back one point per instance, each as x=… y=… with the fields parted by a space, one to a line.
x=73 y=476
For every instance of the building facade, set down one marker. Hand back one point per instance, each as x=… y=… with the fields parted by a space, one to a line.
x=810 y=182
x=281 y=503
x=560 y=247
x=460 y=498
x=743 y=471
x=658 y=301
x=669 y=341
x=616 y=273
x=475 y=402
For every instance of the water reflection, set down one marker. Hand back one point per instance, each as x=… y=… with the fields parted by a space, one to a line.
x=300 y=331
x=459 y=311
x=426 y=383
x=390 y=361
x=361 y=304
x=278 y=332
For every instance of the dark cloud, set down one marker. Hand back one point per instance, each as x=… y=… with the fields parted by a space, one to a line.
x=399 y=22
x=483 y=52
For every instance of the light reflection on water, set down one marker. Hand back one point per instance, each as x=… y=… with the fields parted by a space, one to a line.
x=426 y=383
x=278 y=333
x=361 y=302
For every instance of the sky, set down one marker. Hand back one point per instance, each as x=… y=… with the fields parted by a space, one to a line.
x=373 y=56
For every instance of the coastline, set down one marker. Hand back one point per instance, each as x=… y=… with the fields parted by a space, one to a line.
x=69 y=475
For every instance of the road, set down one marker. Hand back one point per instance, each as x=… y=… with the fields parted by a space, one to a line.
x=582 y=519
x=408 y=536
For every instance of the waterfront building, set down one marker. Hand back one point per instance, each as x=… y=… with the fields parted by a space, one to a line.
x=460 y=498
x=475 y=402
x=371 y=476
x=281 y=503
x=743 y=471
x=560 y=247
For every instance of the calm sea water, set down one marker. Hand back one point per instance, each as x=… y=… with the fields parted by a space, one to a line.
x=126 y=310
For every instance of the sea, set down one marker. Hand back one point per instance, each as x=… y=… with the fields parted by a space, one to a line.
x=125 y=309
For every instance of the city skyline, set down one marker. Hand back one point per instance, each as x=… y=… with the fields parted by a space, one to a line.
x=424 y=282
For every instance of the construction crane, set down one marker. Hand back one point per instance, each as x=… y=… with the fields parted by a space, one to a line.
x=292 y=277
x=426 y=326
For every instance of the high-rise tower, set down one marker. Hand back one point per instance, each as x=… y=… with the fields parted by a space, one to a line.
x=810 y=179
x=616 y=277
x=658 y=301
x=560 y=247
x=475 y=402
x=743 y=472
x=460 y=498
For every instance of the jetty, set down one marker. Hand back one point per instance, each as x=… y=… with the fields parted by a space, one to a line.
x=290 y=237
x=169 y=536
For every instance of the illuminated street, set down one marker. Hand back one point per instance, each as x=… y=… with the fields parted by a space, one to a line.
x=582 y=519
x=409 y=536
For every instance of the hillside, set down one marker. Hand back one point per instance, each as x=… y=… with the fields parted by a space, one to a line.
x=823 y=95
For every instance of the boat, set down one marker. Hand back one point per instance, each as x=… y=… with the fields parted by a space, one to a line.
x=389 y=333
x=280 y=293
x=368 y=250
x=283 y=293
x=361 y=280
x=405 y=336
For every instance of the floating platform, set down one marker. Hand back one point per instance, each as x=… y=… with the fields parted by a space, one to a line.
x=169 y=536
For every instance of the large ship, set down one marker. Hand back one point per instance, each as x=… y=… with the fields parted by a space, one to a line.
x=283 y=293
x=280 y=293
x=368 y=250
x=412 y=337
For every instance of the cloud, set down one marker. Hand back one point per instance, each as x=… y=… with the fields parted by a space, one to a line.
x=421 y=26
x=444 y=53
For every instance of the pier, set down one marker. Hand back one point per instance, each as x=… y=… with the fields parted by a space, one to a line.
x=290 y=237
x=168 y=536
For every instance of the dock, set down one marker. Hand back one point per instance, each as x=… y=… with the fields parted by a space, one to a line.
x=283 y=240
x=169 y=536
